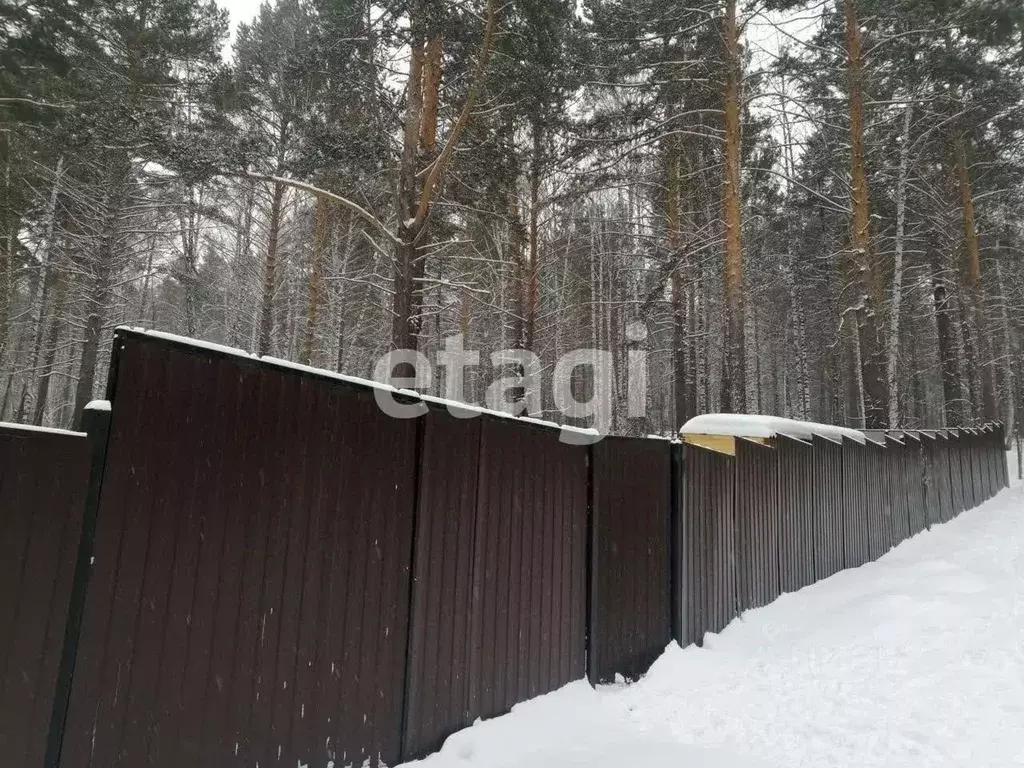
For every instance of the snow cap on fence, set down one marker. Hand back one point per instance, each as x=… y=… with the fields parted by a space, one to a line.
x=718 y=431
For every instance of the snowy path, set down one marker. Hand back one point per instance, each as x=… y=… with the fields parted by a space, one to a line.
x=915 y=660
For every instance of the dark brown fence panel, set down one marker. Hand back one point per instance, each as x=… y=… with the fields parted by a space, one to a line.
x=437 y=694
x=916 y=502
x=856 y=487
x=879 y=493
x=630 y=617
x=955 y=473
x=966 y=448
x=981 y=466
x=897 y=452
x=757 y=524
x=993 y=452
x=499 y=595
x=707 y=547
x=935 y=492
x=829 y=496
x=796 y=513
x=1003 y=460
x=529 y=567
x=944 y=475
x=249 y=598
x=43 y=480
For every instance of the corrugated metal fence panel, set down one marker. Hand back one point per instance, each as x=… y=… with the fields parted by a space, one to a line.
x=898 y=452
x=499 y=596
x=986 y=465
x=528 y=627
x=796 y=513
x=943 y=466
x=916 y=503
x=630 y=620
x=994 y=452
x=757 y=525
x=856 y=466
x=249 y=599
x=879 y=493
x=829 y=496
x=971 y=474
x=43 y=481
x=955 y=473
x=1004 y=461
x=981 y=467
x=1001 y=458
x=437 y=697
x=707 y=543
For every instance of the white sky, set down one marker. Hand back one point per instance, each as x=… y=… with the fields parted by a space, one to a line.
x=240 y=10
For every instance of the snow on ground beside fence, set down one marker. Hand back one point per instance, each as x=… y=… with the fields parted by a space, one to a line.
x=914 y=660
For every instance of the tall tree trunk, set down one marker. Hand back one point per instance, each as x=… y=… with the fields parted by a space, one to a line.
x=270 y=272
x=1010 y=382
x=405 y=328
x=99 y=296
x=318 y=267
x=8 y=236
x=977 y=333
x=50 y=345
x=533 y=270
x=892 y=353
x=949 y=359
x=416 y=190
x=733 y=370
x=189 y=233
x=865 y=280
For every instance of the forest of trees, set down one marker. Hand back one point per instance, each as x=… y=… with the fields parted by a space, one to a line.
x=830 y=227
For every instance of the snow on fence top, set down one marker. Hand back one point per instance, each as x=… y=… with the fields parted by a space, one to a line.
x=718 y=431
x=32 y=428
x=582 y=435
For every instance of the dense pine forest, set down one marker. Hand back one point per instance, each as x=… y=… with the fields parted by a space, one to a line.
x=808 y=209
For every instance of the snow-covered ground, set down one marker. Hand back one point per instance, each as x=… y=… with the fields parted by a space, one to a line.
x=914 y=660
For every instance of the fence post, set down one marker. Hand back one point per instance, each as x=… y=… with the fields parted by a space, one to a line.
x=95 y=422
x=676 y=592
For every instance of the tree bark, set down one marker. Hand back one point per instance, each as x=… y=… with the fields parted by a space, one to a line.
x=8 y=235
x=952 y=375
x=892 y=353
x=99 y=294
x=317 y=270
x=50 y=345
x=864 y=276
x=270 y=272
x=415 y=196
x=977 y=333
x=733 y=370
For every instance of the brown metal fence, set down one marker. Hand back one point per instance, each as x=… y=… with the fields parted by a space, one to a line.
x=43 y=483
x=630 y=612
x=829 y=494
x=796 y=513
x=499 y=593
x=708 y=544
x=249 y=598
x=259 y=566
x=757 y=525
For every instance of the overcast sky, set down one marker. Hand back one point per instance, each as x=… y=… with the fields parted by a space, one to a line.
x=240 y=10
